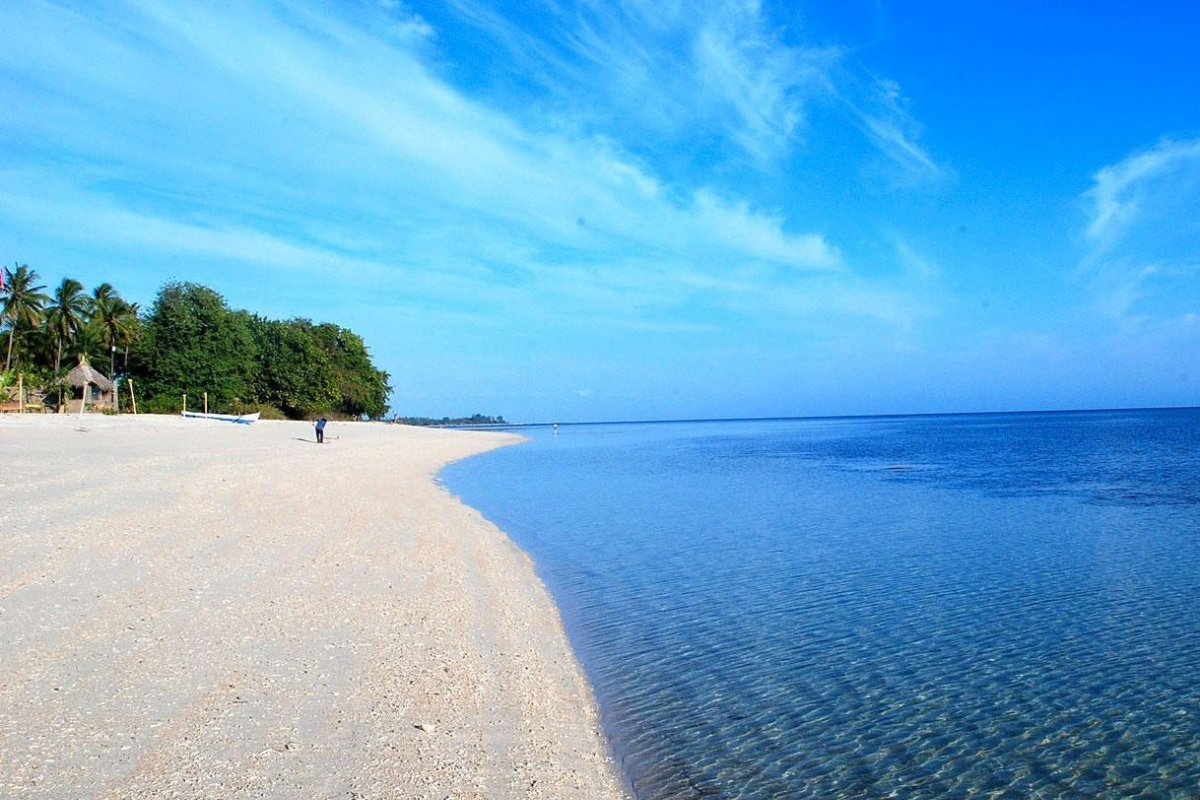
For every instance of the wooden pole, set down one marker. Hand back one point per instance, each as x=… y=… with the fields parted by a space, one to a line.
x=82 y=404
x=185 y=402
x=206 y=402
x=132 y=398
x=20 y=392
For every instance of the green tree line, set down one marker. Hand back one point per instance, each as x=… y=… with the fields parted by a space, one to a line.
x=189 y=341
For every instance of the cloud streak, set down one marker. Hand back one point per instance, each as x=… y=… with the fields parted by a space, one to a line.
x=881 y=110
x=1141 y=233
x=710 y=82
x=683 y=74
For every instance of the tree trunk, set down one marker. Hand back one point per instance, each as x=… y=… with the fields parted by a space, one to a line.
x=12 y=332
x=57 y=363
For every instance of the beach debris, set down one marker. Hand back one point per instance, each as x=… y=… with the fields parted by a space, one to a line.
x=427 y=727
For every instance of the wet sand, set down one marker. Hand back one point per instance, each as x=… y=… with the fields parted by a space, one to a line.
x=199 y=609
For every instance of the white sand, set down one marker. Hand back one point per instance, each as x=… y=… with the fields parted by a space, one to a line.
x=199 y=609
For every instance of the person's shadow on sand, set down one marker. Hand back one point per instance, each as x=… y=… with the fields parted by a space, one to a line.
x=301 y=439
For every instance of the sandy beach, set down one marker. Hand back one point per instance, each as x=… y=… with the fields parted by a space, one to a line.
x=199 y=609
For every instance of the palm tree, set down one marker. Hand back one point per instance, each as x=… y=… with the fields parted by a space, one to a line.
x=130 y=331
x=108 y=312
x=65 y=315
x=87 y=342
x=23 y=303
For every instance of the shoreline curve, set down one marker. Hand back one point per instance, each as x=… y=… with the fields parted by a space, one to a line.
x=192 y=608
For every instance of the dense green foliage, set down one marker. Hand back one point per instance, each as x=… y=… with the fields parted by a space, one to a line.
x=362 y=389
x=189 y=342
x=295 y=374
x=193 y=344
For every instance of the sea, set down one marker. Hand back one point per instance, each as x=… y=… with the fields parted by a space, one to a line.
x=966 y=606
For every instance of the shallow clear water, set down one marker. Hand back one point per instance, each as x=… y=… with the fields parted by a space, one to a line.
x=976 y=606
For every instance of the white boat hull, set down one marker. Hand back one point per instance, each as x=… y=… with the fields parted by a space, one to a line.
x=240 y=419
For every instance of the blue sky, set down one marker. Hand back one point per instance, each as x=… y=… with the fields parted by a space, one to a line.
x=578 y=210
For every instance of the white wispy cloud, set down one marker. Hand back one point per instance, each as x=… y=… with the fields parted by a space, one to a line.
x=66 y=212
x=1141 y=262
x=880 y=109
x=711 y=77
x=1135 y=189
x=707 y=83
x=913 y=262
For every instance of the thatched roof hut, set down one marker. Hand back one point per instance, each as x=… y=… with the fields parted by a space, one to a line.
x=83 y=375
x=96 y=388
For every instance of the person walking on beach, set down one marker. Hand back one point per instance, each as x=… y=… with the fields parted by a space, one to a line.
x=320 y=430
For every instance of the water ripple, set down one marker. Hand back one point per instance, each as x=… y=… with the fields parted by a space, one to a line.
x=993 y=607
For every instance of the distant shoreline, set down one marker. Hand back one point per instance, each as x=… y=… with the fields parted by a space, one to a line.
x=812 y=418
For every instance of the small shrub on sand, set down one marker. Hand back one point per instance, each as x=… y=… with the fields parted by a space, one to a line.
x=269 y=412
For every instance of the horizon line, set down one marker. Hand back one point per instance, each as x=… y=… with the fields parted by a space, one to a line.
x=898 y=415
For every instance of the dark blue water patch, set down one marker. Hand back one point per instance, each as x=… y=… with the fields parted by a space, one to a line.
x=1119 y=457
x=959 y=607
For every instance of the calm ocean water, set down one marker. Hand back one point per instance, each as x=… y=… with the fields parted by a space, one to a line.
x=994 y=606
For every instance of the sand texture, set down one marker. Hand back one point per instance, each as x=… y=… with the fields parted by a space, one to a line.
x=199 y=609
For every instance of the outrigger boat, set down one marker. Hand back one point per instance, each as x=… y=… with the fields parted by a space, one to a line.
x=240 y=419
